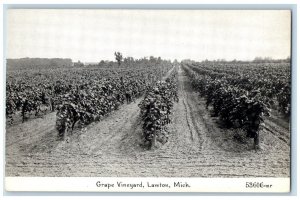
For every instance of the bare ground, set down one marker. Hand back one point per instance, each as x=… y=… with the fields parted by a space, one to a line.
x=197 y=146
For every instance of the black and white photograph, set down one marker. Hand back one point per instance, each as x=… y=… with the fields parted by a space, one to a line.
x=154 y=97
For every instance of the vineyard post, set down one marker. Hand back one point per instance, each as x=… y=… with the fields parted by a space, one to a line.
x=153 y=142
x=256 y=140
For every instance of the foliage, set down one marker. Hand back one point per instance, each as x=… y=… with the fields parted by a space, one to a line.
x=236 y=102
x=156 y=108
x=82 y=95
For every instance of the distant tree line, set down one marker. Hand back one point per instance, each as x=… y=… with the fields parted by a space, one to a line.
x=130 y=61
x=270 y=60
x=255 y=60
x=39 y=62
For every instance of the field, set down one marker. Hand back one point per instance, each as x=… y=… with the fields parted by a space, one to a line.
x=152 y=119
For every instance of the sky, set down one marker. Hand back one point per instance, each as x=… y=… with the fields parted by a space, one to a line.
x=94 y=35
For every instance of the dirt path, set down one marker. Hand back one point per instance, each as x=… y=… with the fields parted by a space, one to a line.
x=196 y=147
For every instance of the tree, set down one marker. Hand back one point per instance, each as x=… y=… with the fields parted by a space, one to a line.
x=119 y=57
x=78 y=64
x=101 y=63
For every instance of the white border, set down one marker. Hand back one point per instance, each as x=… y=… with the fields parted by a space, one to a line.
x=149 y=2
x=84 y=184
